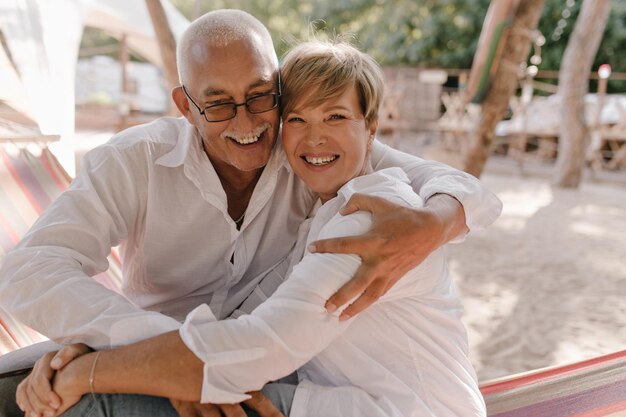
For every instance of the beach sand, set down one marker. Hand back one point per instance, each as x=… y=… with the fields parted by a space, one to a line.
x=546 y=283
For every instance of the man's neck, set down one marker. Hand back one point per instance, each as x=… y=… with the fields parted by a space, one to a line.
x=236 y=181
x=238 y=186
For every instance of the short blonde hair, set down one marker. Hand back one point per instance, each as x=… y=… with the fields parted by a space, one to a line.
x=330 y=69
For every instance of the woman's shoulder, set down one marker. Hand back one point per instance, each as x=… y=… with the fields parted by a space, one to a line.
x=390 y=183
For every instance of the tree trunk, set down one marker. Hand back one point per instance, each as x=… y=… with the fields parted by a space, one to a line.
x=503 y=85
x=167 y=46
x=573 y=85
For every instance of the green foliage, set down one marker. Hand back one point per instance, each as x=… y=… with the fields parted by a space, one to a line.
x=613 y=41
x=441 y=33
x=427 y=33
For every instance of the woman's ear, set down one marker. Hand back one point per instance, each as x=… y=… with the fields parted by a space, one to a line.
x=373 y=127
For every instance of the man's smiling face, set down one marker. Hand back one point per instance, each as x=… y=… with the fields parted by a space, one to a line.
x=234 y=73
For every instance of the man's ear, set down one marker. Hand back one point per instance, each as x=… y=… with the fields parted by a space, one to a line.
x=180 y=99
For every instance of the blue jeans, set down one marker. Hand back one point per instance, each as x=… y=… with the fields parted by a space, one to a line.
x=129 y=405
x=8 y=386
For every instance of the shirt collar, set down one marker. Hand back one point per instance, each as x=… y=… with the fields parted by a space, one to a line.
x=188 y=141
x=364 y=183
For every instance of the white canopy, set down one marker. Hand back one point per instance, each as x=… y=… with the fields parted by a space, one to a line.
x=43 y=37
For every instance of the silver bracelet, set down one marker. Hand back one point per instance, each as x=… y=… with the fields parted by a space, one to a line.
x=92 y=374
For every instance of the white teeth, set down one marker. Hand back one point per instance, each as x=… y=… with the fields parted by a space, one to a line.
x=320 y=160
x=246 y=138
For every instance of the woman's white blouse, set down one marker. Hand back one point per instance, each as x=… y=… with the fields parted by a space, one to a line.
x=407 y=355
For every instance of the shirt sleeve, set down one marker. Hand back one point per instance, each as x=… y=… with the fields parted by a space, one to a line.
x=481 y=206
x=46 y=280
x=283 y=333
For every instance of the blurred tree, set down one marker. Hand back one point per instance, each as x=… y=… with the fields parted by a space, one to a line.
x=503 y=84
x=435 y=33
x=557 y=24
x=573 y=85
x=428 y=33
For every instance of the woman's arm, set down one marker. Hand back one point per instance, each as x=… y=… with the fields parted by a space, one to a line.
x=161 y=366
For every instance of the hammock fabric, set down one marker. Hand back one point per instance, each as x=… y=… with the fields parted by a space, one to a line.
x=591 y=388
x=28 y=184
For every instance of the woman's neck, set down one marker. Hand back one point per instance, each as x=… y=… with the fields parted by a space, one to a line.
x=367 y=169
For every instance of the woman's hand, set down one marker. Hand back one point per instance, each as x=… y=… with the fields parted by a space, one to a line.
x=35 y=395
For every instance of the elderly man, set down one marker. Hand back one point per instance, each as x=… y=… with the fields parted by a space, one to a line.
x=204 y=207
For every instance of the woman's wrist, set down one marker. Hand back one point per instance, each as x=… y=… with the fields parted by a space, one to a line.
x=73 y=379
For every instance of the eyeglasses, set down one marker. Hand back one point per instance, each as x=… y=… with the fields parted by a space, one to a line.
x=225 y=111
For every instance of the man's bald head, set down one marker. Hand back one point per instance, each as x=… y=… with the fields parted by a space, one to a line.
x=220 y=28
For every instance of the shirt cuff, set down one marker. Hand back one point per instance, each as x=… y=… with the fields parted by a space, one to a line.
x=481 y=207
x=192 y=336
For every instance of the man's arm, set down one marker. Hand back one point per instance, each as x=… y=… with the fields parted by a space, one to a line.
x=401 y=238
x=481 y=207
x=46 y=280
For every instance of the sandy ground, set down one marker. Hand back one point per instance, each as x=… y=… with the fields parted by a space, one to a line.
x=546 y=283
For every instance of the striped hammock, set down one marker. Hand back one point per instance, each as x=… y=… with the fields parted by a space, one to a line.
x=30 y=179
x=592 y=388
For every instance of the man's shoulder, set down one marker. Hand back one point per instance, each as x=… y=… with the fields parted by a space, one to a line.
x=142 y=144
x=163 y=132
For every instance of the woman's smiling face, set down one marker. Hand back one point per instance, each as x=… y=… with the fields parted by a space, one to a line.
x=327 y=144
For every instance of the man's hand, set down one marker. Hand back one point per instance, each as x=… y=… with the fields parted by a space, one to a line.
x=259 y=402
x=400 y=239
x=35 y=394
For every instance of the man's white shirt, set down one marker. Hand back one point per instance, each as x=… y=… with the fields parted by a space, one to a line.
x=153 y=191
x=404 y=356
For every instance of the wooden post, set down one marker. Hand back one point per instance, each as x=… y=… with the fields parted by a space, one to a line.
x=503 y=85
x=167 y=46
x=573 y=85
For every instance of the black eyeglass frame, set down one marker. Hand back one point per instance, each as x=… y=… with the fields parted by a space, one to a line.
x=234 y=105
